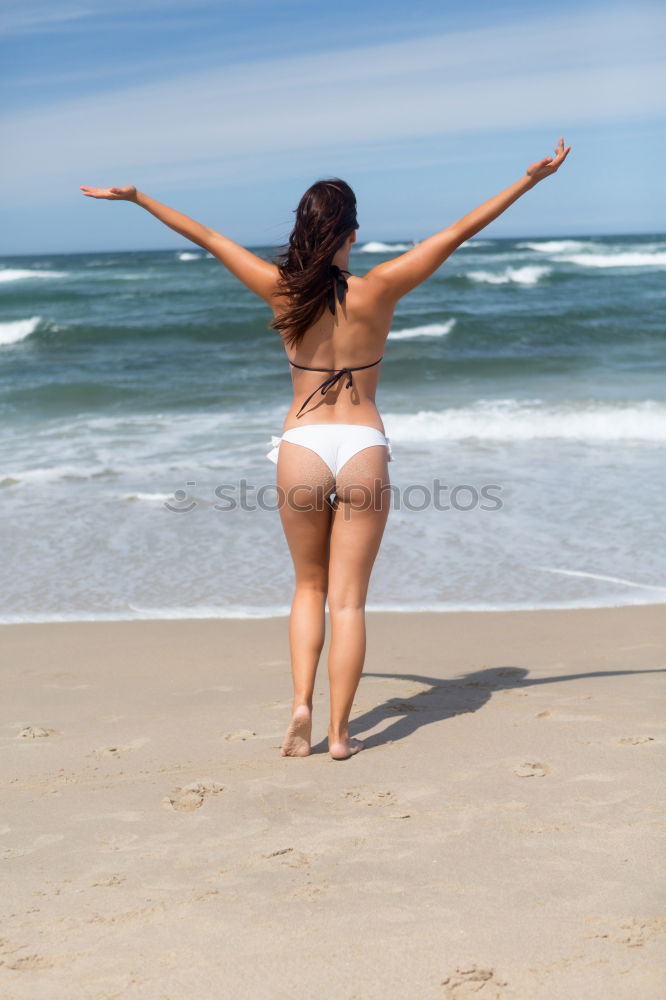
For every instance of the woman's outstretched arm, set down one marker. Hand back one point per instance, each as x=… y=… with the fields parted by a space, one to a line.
x=258 y=275
x=398 y=276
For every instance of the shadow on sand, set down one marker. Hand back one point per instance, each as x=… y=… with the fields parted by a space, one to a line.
x=442 y=699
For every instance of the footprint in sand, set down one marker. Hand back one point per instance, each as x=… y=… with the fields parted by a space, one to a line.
x=634 y=932
x=472 y=982
x=191 y=797
x=634 y=741
x=108 y=751
x=34 y=963
x=35 y=732
x=43 y=840
x=374 y=799
x=118 y=749
x=115 y=879
x=310 y=892
x=532 y=769
x=291 y=857
x=298 y=859
x=240 y=734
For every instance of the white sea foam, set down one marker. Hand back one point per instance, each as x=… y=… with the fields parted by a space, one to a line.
x=56 y=472
x=18 y=329
x=83 y=472
x=187 y=613
x=645 y=247
x=169 y=447
x=429 y=330
x=515 y=420
x=528 y=275
x=604 y=577
x=149 y=497
x=134 y=613
x=190 y=256
x=621 y=600
x=555 y=246
x=475 y=243
x=375 y=246
x=174 y=424
x=19 y=274
x=631 y=258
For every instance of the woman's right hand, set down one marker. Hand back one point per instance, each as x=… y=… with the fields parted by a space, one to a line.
x=548 y=166
x=127 y=193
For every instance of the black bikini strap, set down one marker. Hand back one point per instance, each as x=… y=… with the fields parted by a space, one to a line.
x=338 y=287
x=335 y=376
x=357 y=368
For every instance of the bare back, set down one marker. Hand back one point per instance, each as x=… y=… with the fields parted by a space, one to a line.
x=355 y=336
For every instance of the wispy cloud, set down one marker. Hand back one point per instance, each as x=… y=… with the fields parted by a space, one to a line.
x=22 y=17
x=553 y=73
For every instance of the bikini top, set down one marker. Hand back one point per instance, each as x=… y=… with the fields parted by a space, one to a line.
x=337 y=290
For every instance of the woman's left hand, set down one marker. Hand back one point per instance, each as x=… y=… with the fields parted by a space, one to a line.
x=544 y=168
x=127 y=193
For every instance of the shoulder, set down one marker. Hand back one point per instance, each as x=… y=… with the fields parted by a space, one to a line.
x=370 y=297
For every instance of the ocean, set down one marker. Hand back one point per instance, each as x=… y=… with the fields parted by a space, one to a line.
x=522 y=390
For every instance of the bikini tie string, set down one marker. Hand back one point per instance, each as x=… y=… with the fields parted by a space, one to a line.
x=328 y=382
x=337 y=288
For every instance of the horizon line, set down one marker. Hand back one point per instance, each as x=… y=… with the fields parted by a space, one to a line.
x=386 y=240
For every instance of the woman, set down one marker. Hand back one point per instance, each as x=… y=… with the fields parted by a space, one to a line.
x=332 y=457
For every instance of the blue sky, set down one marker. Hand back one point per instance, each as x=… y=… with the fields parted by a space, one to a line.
x=229 y=110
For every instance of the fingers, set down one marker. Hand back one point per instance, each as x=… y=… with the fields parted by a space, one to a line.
x=560 y=156
x=93 y=192
x=560 y=151
x=549 y=164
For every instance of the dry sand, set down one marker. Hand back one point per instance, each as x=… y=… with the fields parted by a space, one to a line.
x=499 y=839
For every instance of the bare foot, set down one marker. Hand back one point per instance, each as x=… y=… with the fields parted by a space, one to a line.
x=296 y=742
x=343 y=749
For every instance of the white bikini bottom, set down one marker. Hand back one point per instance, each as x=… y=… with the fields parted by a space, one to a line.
x=334 y=443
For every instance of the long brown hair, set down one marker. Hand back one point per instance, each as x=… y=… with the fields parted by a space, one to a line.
x=325 y=218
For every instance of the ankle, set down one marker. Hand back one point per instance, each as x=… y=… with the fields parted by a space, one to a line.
x=301 y=703
x=338 y=734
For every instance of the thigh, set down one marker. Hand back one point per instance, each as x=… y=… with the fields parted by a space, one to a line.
x=304 y=484
x=359 y=518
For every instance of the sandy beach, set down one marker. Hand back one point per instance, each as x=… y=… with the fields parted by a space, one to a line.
x=500 y=838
